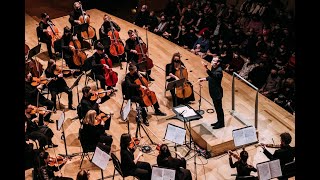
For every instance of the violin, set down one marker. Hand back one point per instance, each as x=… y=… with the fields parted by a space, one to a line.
x=102 y=117
x=110 y=76
x=149 y=97
x=85 y=18
x=142 y=49
x=116 y=46
x=134 y=143
x=269 y=145
x=56 y=161
x=53 y=32
x=62 y=70
x=184 y=91
x=79 y=56
x=100 y=93
x=42 y=80
x=41 y=110
x=234 y=155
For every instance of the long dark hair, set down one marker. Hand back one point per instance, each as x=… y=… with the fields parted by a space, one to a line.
x=164 y=151
x=125 y=140
x=83 y=175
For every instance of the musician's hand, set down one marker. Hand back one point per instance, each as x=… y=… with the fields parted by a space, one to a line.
x=72 y=71
x=143 y=87
x=98 y=100
x=77 y=21
x=40 y=86
x=133 y=51
x=140 y=154
x=60 y=75
x=36 y=120
x=201 y=80
x=204 y=64
x=106 y=66
x=72 y=48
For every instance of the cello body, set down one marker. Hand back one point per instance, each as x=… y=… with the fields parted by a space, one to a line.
x=110 y=76
x=184 y=91
x=142 y=50
x=53 y=32
x=149 y=97
x=78 y=55
x=116 y=46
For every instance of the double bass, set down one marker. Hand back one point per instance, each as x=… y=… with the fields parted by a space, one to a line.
x=116 y=46
x=142 y=49
x=78 y=56
x=110 y=76
x=89 y=33
x=185 y=90
x=148 y=97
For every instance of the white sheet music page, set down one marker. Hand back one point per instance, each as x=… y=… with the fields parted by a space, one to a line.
x=126 y=110
x=175 y=134
x=275 y=168
x=187 y=112
x=264 y=171
x=61 y=120
x=100 y=158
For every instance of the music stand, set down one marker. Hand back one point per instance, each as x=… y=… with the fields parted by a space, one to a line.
x=75 y=84
x=101 y=159
x=244 y=136
x=175 y=134
x=172 y=85
x=125 y=112
x=34 y=51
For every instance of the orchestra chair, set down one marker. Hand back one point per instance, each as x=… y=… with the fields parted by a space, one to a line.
x=289 y=169
x=46 y=91
x=117 y=166
x=124 y=98
x=87 y=148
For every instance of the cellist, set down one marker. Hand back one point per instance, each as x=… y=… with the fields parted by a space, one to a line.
x=132 y=92
x=42 y=33
x=132 y=54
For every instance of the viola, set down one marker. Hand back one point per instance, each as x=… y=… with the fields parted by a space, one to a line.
x=56 y=161
x=42 y=80
x=102 y=117
x=185 y=90
x=53 y=32
x=100 y=93
x=149 y=97
x=142 y=49
x=85 y=18
x=110 y=76
x=134 y=143
x=41 y=110
x=116 y=46
x=79 y=56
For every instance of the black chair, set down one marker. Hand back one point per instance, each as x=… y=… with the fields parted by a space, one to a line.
x=124 y=91
x=86 y=147
x=289 y=170
x=117 y=166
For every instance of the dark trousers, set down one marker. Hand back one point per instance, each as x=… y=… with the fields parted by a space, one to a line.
x=102 y=80
x=138 y=100
x=49 y=46
x=220 y=114
x=143 y=171
x=55 y=92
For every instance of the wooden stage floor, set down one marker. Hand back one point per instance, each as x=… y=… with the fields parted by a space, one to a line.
x=272 y=119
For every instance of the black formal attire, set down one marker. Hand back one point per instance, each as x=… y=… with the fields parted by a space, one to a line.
x=47 y=172
x=67 y=52
x=142 y=18
x=31 y=93
x=97 y=68
x=243 y=169
x=29 y=155
x=129 y=168
x=170 y=69
x=133 y=93
x=106 y=41
x=57 y=86
x=86 y=105
x=95 y=134
x=216 y=92
x=41 y=133
x=44 y=37
x=175 y=163
x=73 y=16
x=132 y=57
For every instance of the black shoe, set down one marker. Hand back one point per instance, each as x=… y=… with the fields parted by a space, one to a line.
x=151 y=79
x=71 y=107
x=146 y=122
x=214 y=124
x=52 y=145
x=160 y=113
x=217 y=126
x=49 y=121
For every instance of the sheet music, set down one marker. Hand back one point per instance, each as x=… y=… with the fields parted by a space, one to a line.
x=244 y=136
x=60 y=121
x=275 y=168
x=162 y=174
x=175 y=134
x=126 y=110
x=187 y=111
x=100 y=158
x=264 y=171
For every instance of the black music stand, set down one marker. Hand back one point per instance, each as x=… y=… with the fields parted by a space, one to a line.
x=75 y=84
x=172 y=85
x=34 y=51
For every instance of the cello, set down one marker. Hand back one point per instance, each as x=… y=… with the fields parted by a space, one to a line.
x=110 y=76
x=185 y=90
x=148 y=97
x=78 y=55
x=116 y=46
x=141 y=49
x=85 y=18
x=53 y=32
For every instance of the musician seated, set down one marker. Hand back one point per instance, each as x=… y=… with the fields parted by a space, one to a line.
x=87 y=103
x=42 y=33
x=164 y=159
x=58 y=84
x=35 y=98
x=172 y=73
x=243 y=168
x=105 y=28
x=132 y=92
x=93 y=130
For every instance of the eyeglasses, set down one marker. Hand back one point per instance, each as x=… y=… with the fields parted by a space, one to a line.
x=175 y=60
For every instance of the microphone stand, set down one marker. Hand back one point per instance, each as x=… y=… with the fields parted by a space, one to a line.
x=201 y=112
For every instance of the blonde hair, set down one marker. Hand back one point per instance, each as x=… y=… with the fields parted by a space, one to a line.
x=90 y=117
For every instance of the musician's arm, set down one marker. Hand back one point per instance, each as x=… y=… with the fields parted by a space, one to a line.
x=268 y=154
x=232 y=165
x=116 y=26
x=130 y=84
x=213 y=75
